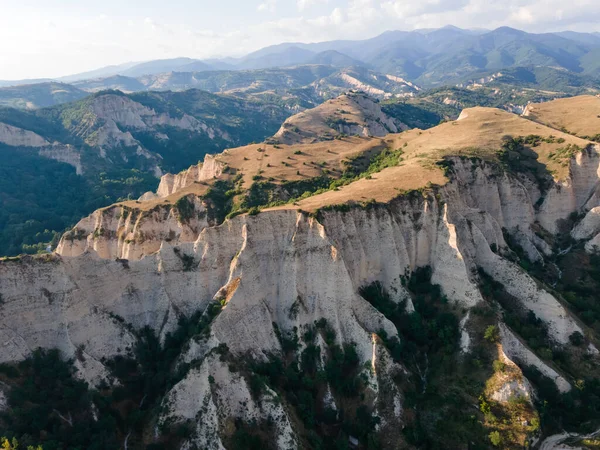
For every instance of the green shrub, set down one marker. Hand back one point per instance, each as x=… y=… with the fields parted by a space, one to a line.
x=498 y=366
x=48 y=405
x=576 y=338
x=219 y=199
x=495 y=438
x=188 y=261
x=492 y=334
x=185 y=208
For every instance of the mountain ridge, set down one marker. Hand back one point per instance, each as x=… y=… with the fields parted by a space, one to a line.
x=429 y=42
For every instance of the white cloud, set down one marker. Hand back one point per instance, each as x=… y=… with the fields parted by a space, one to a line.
x=523 y=15
x=51 y=42
x=268 y=5
x=337 y=17
x=305 y=4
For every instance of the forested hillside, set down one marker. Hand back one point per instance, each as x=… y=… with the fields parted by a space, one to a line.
x=119 y=144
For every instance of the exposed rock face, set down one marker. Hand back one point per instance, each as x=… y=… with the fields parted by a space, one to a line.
x=357 y=84
x=63 y=153
x=453 y=238
x=402 y=80
x=384 y=244
x=125 y=233
x=578 y=191
x=518 y=352
x=209 y=169
x=589 y=226
x=566 y=441
x=512 y=389
x=128 y=113
x=17 y=137
x=280 y=267
x=589 y=229
x=106 y=126
x=225 y=397
x=155 y=290
x=511 y=384
x=465 y=338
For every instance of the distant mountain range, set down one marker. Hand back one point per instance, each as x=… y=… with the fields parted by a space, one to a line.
x=428 y=58
x=293 y=87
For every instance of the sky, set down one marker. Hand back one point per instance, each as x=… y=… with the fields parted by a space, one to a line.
x=52 y=38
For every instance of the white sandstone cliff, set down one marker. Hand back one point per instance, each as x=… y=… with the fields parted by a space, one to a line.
x=17 y=137
x=207 y=170
x=129 y=233
x=147 y=268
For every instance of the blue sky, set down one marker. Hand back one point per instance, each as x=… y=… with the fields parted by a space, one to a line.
x=50 y=38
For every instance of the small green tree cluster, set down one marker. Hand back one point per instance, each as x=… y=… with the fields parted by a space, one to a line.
x=300 y=380
x=427 y=345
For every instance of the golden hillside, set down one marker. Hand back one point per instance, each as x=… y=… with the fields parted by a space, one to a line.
x=376 y=169
x=576 y=115
x=354 y=113
x=478 y=132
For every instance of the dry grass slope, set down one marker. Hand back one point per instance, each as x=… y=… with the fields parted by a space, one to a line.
x=479 y=132
x=353 y=113
x=577 y=115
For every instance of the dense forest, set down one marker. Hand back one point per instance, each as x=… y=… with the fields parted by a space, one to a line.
x=41 y=198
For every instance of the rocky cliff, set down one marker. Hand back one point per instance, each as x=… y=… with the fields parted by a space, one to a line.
x=260 y=280
x=208 y=170
x=17 y=137
x=113 y=111
x=280 y=268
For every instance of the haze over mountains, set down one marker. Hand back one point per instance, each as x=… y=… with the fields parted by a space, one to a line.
x=427 y=57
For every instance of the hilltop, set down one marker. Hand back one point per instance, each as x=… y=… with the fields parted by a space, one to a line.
x=579 y=116
x=351 y=114
x=478 y=133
